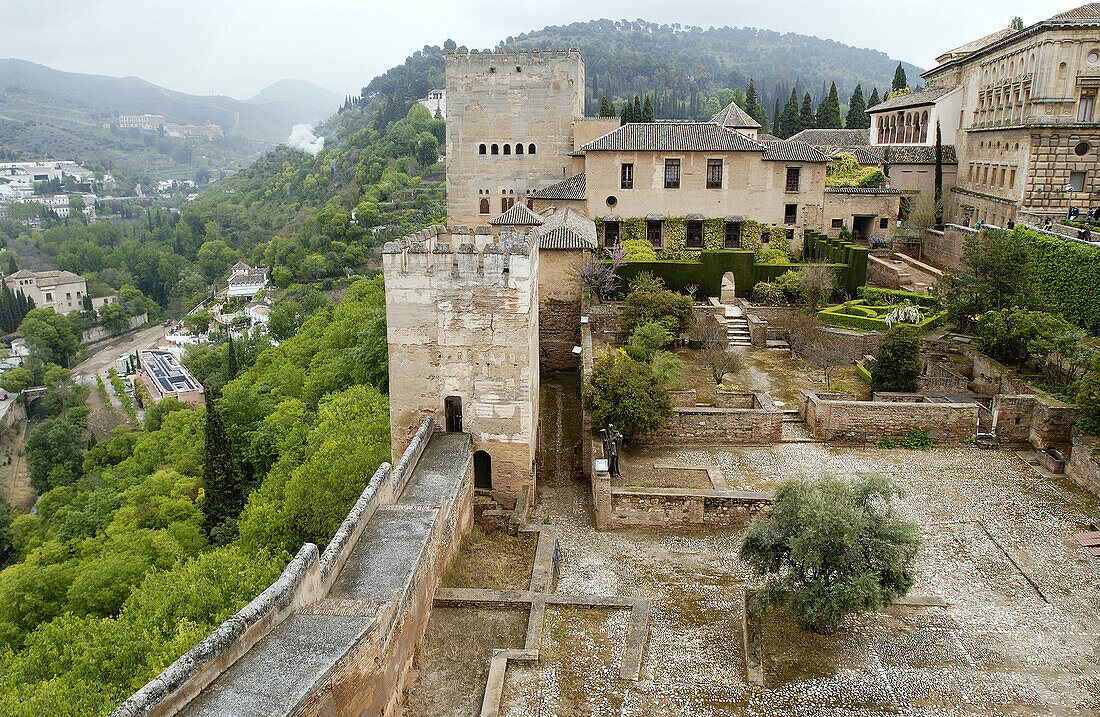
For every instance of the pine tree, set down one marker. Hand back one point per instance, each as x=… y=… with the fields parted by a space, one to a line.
x=624 y=118
x=788 y=118
x=828 y=113
x=939 y=176
x=605 y=108
x=899 y=83
x=874 y=99
x=636 y=113
x=647 y=111
x=12 y=268
x=231 y=365
x=857 y=111
x=806 y=116
x=223 y=496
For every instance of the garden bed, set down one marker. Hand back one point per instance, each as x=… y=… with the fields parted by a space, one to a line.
x=861 y=315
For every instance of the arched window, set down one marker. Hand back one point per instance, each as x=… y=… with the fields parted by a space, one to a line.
x=495 y=149
x=519 y=149
x=530 y=149
x=481 y=149
x=507 y=149
x=483 y=470
x=924 y=127
x=484 y=206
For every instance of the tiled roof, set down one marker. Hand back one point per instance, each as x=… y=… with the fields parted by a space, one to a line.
x=975 y=45
x=673 y=137
x=734 y=117
x=1085 y=12
x=920 y=154
x=834 y=137
x=791 y=151
x=912 y=99
x=569 y=188
x=863 y=155
x=566 y=229
x=862 y=190
x=518 y=215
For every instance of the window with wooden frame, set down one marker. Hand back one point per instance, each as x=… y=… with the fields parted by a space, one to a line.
x=672 y=174
x=626 y=176
x=714 y=174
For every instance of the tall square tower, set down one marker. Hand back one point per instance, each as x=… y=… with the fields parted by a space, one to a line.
x=509 y=127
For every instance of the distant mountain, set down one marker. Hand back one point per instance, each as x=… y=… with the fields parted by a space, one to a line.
x=302 y=93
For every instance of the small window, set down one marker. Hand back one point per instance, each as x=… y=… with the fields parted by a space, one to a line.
x=732 y=240
x=1094 y=57
x=884 y=223
x=672 y=174
x=714 y=174
x=49 y=296
x=1076 y=182
x=68 y=296
x=481 y=149
x=793 y=176
x=506 y=203
x=612 y=200
x=484 y=206
x=611 y=233
x=507 y=149
x=790 y=213
x=530 y=149
x=626 y=176
x=1086 y=105
x=495 y=149
x=838 y=224
x=693 y=237
x=519 y=149
x=653 y=232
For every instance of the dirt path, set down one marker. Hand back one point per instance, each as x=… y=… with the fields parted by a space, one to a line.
x=105 y=355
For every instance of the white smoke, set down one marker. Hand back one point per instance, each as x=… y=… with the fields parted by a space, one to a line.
x=302 y=137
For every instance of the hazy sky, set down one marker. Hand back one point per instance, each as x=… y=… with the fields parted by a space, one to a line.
x=236 y=47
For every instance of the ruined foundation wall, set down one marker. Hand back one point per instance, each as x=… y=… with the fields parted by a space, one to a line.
x=863 y=421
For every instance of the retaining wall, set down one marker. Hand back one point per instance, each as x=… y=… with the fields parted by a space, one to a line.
x=838 y=418
x=1084 y=463
x=673 y=507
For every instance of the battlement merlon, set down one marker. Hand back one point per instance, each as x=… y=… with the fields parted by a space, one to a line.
x=429 y=253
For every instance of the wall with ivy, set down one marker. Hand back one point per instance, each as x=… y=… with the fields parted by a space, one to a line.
x=1067 y=276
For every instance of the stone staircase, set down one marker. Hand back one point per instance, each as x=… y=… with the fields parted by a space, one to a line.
x=737 y=327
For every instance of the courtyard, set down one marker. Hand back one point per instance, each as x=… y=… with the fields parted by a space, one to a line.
x=1002 y=620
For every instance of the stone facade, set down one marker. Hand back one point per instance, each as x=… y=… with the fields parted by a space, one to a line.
x=512 y=103
x=559 y=310
x=1029 y=121
x=463 y=344
x=871 y=212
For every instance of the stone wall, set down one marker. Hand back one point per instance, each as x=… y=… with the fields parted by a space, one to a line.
x=700 y=424
x=100 y=333
x=559 y=332
x=944 y=249
x=1084 y=463
x=835 y=417
x=673 y=507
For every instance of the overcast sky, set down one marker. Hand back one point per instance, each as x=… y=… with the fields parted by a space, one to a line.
x=236 y=47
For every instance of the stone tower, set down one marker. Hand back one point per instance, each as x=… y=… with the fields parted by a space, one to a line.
x=509 y=127
x=462 y=329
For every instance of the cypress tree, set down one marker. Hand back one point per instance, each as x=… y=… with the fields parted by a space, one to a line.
x=899 y=83
x=605 y=108
x=12 y=268
x=828 y=113
x=636 y=113
x=939 y=176
x=873 y=99
x=806 y=116
x=857 y=111
x=647 y=111
x=775 y=116
x=231 y=365
x=788 y=118
x=752 y=105
x=624 y=118
x=223 y=497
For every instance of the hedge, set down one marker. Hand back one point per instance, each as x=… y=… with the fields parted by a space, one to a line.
x=836 y=316
x=875 y=295
x=1067 y=276
x=863 y=373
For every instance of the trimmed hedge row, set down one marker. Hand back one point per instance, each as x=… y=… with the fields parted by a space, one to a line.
x=863 y=372
x=1067 y=276
x=875 y=295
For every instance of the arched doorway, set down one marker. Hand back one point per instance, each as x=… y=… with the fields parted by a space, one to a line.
x=452 y=406
x=729 y=288
x=483 y=470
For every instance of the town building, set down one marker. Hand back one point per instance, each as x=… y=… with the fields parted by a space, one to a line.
x=246 y=281
x=436 y=102
x=206 y=131
x=146 y=122
x=1026 y=127
x=62 y=291
x=162 y=375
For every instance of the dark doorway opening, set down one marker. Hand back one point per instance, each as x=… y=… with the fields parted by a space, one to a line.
x=483 y=470
x=453 y=408
x=863 y=227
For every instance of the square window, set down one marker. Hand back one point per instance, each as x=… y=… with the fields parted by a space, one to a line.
x=838 y=224
x=672 y=174
x=883 y=223
x=1077 y=181
x=793 y=176
x=714 y=174
x=626 y=176
x=790 y=213
x=610 y=233
x=693 y=237
x=653 y=233
x=732 y=240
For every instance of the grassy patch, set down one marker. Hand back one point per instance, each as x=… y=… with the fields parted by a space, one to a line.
x=492 y=561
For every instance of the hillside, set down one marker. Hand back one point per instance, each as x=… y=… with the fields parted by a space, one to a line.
x=301 y=93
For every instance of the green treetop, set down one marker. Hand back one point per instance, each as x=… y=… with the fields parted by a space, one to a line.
x=857 y=111
x=899 y=83
x=828 y=114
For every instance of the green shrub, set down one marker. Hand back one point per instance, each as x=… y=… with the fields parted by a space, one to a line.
x=897 y=361
x=626 y=393
x=638 y=250
x=663 y=306
x=881 y=297
x=650 y=337
x=767 y=294
x=790 y=284
x=772 y=256
x=646 y=281
x=856 y=315
x=915 y=440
